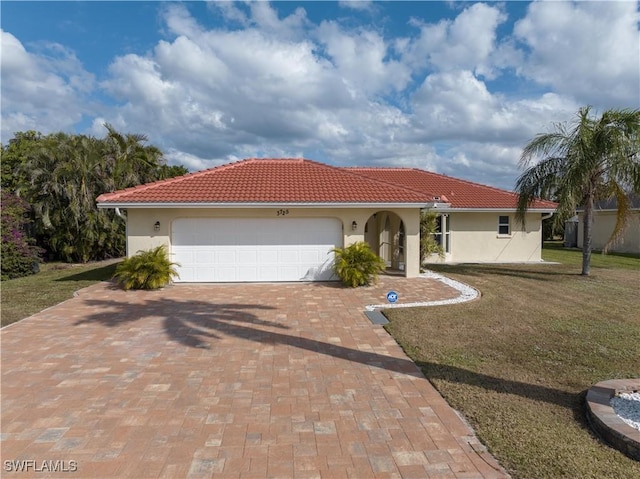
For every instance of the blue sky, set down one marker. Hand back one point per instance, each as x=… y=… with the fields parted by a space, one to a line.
x=452 y=87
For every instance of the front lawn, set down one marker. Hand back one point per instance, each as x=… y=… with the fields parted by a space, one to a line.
x=56 y=282
x=517 y=362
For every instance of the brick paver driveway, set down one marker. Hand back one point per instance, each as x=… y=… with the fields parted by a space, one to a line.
x=245 y=380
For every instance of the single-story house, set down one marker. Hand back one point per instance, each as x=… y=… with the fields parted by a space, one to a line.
x=604 y=221
x=279 y=219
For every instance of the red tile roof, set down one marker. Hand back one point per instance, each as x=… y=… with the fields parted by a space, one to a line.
x=458 y=193
x=305 y=181
x=269 y=181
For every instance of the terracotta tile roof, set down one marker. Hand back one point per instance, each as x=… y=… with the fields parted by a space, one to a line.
x=458 y=193
x=269 y=181
x=296 y=180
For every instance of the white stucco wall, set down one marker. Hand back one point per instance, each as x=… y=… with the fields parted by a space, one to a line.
x=141 y=234
x=475 y=239
x=604 y=223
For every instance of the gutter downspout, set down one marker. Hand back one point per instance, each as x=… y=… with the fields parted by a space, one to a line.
x=126 y=225
x=544 y=217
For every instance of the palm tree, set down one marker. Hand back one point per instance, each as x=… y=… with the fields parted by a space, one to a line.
x=60 y=176
x=131 y=160
x=64 y=180
x=591 y=160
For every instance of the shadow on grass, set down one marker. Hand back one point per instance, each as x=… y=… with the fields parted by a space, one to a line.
x=480 y=270
x=534 y=392
x=104 y=273
x=198 y=324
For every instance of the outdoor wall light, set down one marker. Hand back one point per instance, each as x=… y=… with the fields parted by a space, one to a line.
x=354 y=225
x=156 y=226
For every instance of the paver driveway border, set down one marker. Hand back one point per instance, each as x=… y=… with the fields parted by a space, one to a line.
x=246 y=381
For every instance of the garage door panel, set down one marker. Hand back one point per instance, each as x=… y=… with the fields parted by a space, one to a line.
x=248 y=256
x=289 y=272
x=258 y=249
x=226 y=255
x=202 y=274
x=203 y=257
x=223 y=274
x=266 y=273
x=267 y=256
x=310 y=256
x=247 y=273
x=186 y=256
x=187 y=274
x=289 y=255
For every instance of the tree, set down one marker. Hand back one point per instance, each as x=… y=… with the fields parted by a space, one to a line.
x=61 y=175
x=20 y=256
x=14 y=154
x=172 y=171
x=590 y=160
x=129 y=160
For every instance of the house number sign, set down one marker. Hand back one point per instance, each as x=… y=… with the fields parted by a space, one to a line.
x=282 y=212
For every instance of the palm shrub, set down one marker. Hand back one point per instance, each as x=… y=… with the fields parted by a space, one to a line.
x=428 y=244
x=149 y=269
x=357 y=265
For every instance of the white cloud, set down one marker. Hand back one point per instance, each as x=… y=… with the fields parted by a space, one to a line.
x=192 y=162
x=230 y=12
x=213 y=93
x=42 y=91
x=360 y=59
x=266 y=19
x=449 y=96
x=465 y=43
x=484 y=162
x=587 y=50
x=457 y=105
x=359 y=5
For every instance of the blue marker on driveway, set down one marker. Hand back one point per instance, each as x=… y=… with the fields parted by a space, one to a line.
x=392 y=296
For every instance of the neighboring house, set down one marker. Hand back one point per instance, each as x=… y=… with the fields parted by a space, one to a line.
x=604 y=221
x=279 y=219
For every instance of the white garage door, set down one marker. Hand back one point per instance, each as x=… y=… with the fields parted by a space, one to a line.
x=254 y=249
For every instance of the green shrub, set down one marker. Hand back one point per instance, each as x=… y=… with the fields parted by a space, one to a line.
x=428 y=244
x=149 y=269
x=357 y=265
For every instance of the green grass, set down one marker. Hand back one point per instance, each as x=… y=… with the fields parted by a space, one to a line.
x=518 y=361
x=55 y=283
x=553 y=251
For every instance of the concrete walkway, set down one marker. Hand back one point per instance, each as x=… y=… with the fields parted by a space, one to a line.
x=239 y=381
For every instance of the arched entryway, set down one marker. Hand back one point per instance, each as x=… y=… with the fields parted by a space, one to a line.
x=385 y=234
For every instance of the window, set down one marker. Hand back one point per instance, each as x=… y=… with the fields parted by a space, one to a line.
x=447 y=233
x=442 y=235
x=503 y=226
x=401 y=236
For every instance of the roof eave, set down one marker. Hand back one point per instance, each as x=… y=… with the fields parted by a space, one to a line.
x=452 y=209
x=134 y=205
